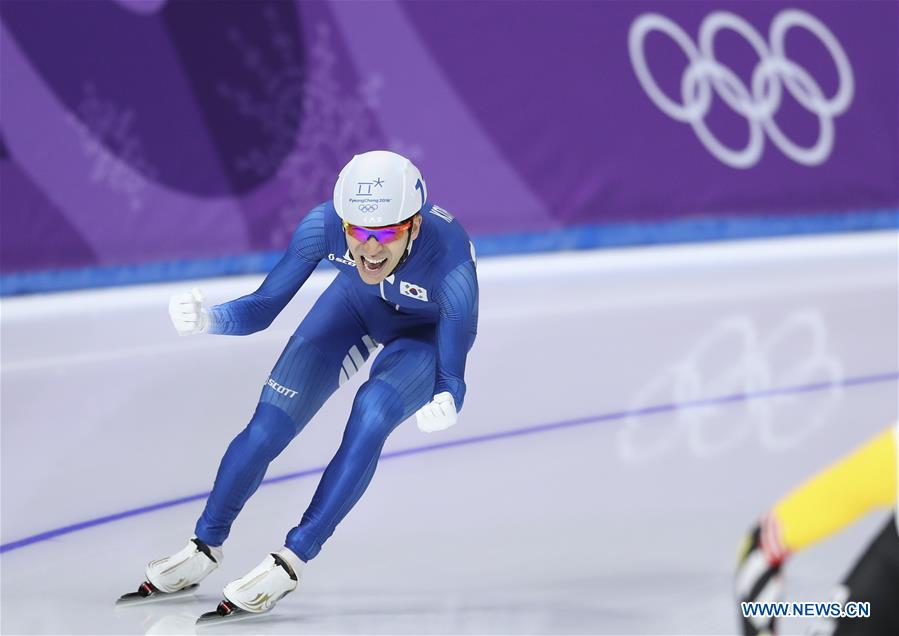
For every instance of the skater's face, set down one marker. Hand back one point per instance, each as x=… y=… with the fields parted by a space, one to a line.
x=377 y=250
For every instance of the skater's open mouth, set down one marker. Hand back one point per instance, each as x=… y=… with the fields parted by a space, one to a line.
x=374 y=264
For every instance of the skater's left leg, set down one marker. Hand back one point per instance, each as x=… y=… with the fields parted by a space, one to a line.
x=401 y=381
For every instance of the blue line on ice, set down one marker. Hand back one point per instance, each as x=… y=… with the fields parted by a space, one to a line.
x=527 y=430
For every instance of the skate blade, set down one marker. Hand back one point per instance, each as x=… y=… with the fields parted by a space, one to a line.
x=136 y=598
x=214 y=618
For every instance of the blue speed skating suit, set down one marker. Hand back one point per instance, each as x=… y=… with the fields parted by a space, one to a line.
x=425 y=315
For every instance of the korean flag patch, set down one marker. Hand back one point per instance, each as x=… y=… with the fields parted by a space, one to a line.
x=413 y=291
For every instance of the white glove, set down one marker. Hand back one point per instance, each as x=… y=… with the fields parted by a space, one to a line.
x=438 y=414
x=188 y=313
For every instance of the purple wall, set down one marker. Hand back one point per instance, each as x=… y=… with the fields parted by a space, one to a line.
x=139 y=132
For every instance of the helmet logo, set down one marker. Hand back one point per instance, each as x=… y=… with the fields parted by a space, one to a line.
x=363 y=188
x=368 y=207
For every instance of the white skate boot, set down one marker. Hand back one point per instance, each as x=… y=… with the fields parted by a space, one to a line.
x=178 y=573
x=259 y=590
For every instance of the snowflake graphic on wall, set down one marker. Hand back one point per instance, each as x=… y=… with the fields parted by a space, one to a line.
x=115 y=151
x=336 y=121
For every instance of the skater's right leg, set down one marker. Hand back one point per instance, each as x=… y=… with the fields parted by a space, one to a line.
x=242 y=469
x=327 y=347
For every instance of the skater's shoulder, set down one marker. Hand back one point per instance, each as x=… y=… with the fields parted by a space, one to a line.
x=322 y=216
x=442 y=256
x=320 y=229
x=440 y=220
x=443 y=236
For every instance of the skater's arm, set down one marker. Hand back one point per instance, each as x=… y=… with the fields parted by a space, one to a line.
x=830 y=500
x=457 y=297
x=254 y=312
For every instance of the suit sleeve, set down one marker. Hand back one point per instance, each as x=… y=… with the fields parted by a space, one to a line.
x=457 y=297
x=827 y=502
x=255 y=312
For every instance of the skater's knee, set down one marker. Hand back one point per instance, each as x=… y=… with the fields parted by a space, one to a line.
x=269 y=432
x=377 y=409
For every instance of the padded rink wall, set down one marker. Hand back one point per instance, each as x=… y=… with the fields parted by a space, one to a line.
x=787 y=124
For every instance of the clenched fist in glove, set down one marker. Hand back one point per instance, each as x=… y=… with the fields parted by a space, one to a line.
x=438 y=414
x=188 y=313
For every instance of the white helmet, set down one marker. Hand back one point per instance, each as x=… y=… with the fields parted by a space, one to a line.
x=379 y=188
